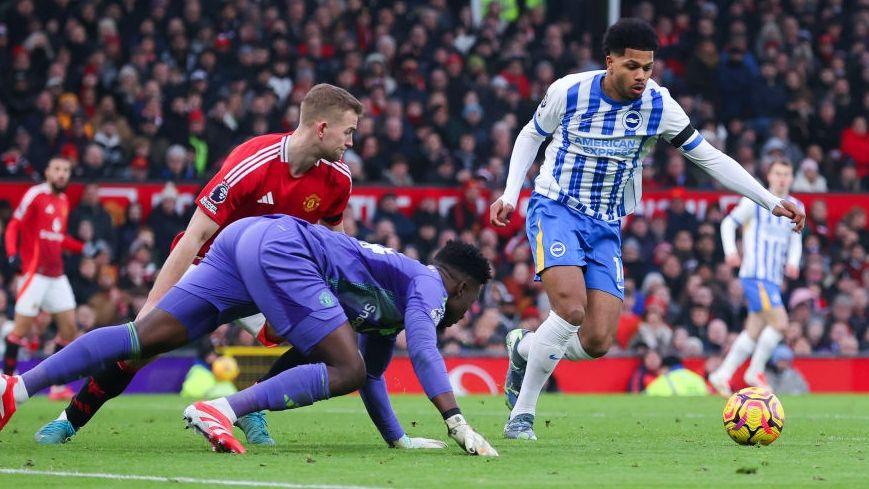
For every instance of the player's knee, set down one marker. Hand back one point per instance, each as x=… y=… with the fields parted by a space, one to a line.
x=571 y=312
x=597 y=344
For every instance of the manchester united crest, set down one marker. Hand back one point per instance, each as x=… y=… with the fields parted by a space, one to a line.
x=311 y=202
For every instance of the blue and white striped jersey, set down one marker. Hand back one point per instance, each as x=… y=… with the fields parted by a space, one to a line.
x=768 y=241
x=594 y=161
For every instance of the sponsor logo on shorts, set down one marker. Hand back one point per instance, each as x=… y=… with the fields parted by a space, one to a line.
x=311 y=202
x=326 y=299
x=557 y=249
x=632 y=120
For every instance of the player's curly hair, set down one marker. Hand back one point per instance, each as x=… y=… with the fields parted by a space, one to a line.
x=630 y=33
x=466 y=259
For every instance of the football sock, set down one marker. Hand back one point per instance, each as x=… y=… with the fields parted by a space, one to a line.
x=10 y=356
x=91 y=352
x=296 y=387
x=107 y=384
x=739 y=351
x=767 y=341
x=546 y=350
x=575 y=351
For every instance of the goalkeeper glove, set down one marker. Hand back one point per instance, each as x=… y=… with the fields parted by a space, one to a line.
x=407 y=442
x=471 y=441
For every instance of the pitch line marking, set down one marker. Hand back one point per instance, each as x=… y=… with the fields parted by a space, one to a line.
x=176 y=480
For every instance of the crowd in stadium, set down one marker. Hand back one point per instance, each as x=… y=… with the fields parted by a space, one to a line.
x=160 y=90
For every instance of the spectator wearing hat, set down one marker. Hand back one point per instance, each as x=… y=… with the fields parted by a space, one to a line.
x=166 y=220
x=783 y=378
x=654 y=331
x=198 y=141
x=808 y=179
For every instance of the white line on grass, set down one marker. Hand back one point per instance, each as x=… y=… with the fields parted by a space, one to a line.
x=176 y=480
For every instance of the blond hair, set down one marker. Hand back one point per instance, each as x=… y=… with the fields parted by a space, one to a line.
x=325 y=101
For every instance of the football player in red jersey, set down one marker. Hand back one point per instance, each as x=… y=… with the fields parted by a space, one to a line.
x=35 y=239
x=300 y=174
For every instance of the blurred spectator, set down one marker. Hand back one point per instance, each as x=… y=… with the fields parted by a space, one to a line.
x=91 y=209
x=165 y=219
x=387 y=209
x=676 y=380
x=646 y=372
x=808 y=178
x=855 y=144
x=111 y=305
x=782 y=376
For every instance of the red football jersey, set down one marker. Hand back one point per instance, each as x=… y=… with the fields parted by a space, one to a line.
x=255 y=180
x=38 y=231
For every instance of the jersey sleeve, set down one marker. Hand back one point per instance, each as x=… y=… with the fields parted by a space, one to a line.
x=743 y=212
x=13 y=228
x=549 y=113
x=377 y=352
x=226 y=192
x=425 y=307
x=739 y=216
x=675 y=125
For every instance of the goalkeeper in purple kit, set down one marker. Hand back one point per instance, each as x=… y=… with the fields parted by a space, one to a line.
x=327 y=294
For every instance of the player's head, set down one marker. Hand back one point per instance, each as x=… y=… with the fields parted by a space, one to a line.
x=630 y=46
x=332 y=114
x=57 y=174
x=465 y=270
x=780 y=176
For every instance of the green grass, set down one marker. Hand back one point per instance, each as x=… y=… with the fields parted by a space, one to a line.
x=585 y=441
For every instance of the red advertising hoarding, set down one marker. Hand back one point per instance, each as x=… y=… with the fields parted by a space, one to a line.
x=363 y=202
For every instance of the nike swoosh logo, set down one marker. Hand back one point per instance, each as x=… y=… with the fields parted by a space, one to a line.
x=553 y=357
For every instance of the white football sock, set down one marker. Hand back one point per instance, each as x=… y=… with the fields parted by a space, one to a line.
x=575 y=351
x=546 y=350
x=767 y=341
x=223 y=406
x=739 y=351
x=525 y=344
x=19 y=392
x=62 y=416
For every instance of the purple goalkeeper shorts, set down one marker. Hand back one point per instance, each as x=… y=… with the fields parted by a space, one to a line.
x=259 y=263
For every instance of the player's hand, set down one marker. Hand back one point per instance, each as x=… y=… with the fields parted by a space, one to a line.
x=406 y=442
x=499 y=213
x=471 y=441
x=15 y=263
x=733 y=260
x=788 y=209
x=792 y=272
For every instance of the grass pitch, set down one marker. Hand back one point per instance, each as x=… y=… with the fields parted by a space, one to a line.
x=585 y=441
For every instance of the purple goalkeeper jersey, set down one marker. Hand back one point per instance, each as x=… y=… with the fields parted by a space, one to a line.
x=320 y=273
